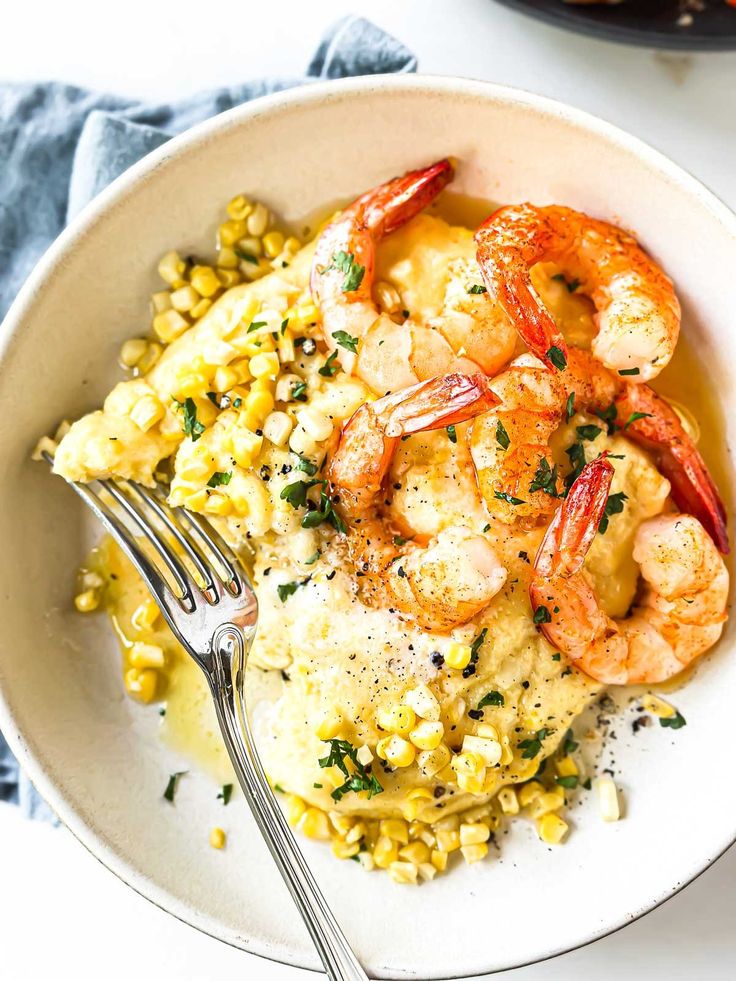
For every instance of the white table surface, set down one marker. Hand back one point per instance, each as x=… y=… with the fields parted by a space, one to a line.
x=62 y=912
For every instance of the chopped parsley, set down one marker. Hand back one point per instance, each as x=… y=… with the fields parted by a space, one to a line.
x=503 y=496
x=353 y=271
x=557 y=357
x=219 y=478
x=576 y=456
x=452 y=434
x=225 y=794
x=628 y=371
x=545 y=478
x=284 y=325
x=246 y=256
x=312 y=558
x=588 y=432
x=634 y=417
x=557 y=656
x=491 y=698
x=287 y=589
x=502 y=437
x=476 y=288
x=609 y=417
x=360 y=779
x=569 y=745
x=570 y=407
x=255 y=325
x=569 y=783
x=329 y=368
x=296 y=492
x=532 y=747
x=307 y=466
x=614 y=505
x=192 y=426
x=542 y=615
x=171 y=786
x=324 y=512
x=345 y=340
x=214 y=399
x=477 y=644
x=675 y=721
x=572 y=284
x=299 y=391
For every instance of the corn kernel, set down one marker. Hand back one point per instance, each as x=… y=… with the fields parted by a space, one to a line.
x=329 y=725
x=448 y=841
x=146 y=412
x=397 y=718
x=381 y=747
x=257 y=220
x=161 y=301
x=403 y=873
x=439 y=859
x=218 y=504
x=567 y=767
x=314 y=824
x=258 y=404
x=488 y=749
x=315 y=424
x=146 y=655
x=200 y=309
x=508 y=800
x=229 y=277
x=246 y=447
x=273 y=243
x=552 y=829
x=132 y=351
x=385 y=852
x=458 y=656
x=141 y=684
x=422 y=699
x=357 y=832
x=474 y=834
x=231 y=231
x=487 y=731
x=171 y=268
x=277 y=428
x=432 y=761
x=344 y=849
x=239 y=208
x=184 y=299
x=295 y=809
x=217 y=838
x=149 y=358
x=657 y=706
x=264 y=365
x=468 y=763
x=474 y=853
x=169 y=325
x=553 y=800
x=251 y=246
x=529 y=792
x=472 y=783
x=417 y=852
x=608 y=799
x=204 y=280
x=426 y=871
x=227 y=258
x=145 y=615
x=399 y=752
x=366 y=861
x=427 y=735
x=87 y=601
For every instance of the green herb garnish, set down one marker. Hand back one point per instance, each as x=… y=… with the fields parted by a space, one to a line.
x=477 y=644
x=225 y=794
x=476 y=288
x=569 y=783
x=345 y=340
x=588 y=432
x=361 y=779
x=634 y=417
x=609 y=417
x=503 y=496
x=614 y=505
x=570 y=407
x=246 y=256
x=675 y=721
x=219 y=478
x=545 y=478
x=354 y=272
x=287 y=589
x=502 y=437
x=532 y=747
x=192 y=426
x=299 y=391
x=542 y=615
x=628 y=371
x=491 y=698
x=452 y=434
x=557 y=357
x=307 y=466
x=329 y=368
x=171 y=786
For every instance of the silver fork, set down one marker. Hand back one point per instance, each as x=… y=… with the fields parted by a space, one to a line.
x=215 y=620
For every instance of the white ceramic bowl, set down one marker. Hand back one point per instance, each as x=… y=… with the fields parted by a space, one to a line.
x=95 y=756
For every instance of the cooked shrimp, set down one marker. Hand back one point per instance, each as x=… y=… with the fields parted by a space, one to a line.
x=510 y=443
x=682 y=608
x=470 y=333
x=637 y=312
x=454 y=577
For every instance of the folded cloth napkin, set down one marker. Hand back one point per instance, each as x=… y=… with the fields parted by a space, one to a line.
x=60 y=145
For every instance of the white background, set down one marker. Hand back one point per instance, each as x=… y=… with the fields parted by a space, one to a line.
x=61 y=913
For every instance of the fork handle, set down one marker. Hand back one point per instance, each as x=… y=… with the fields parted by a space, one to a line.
x=226 y=681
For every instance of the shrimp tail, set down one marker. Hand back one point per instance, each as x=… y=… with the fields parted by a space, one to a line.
x=435 y=404
x=397 y=201
x=575 y=524
x=657 y=427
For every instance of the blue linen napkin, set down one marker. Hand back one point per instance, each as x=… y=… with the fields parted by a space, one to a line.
x=61 y=145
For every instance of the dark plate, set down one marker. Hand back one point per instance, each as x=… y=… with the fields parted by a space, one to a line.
x=651 y=23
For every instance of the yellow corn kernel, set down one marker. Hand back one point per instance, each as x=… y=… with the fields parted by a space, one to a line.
x=553 y=800
x=472 y=783
x=229 y=277
x=285 y=345
x=470 y=764
x=204 y=280
x=385 y=852
x=87 y=601
x=307 y=313
x=366 y=861
x=529 y=791
x=193 y=385
x=145 y=615
x=657 y=706
x=381 y=747
x=488 y=749
x=132 y=351
x=200 y=309
x=171 y=268
x=277 y=428
x=487 y=731
x=292 y=244
x=273 y=243
x=395 y=829
x=217 y=838
x=146 y=655
x=552 y=829
x=424 y=702
x=218 y=504
x=607 y=799
x=432 y=761
x=399 y=752
x=264 y=365
x=344 y=849
x=301 y=443
x=439 y=859
x=404 y=873
x=397 y=718
x=567 y=767
x=329 y=725
x=258 y=404
x=194 y=469
x=246 y=447
x=417 y=852
x=141 y=684
x=448 y=841
x=227 y=258
x=225 y=379
x=458 y=656
x=257 y=220
x=184 y=299
x=508 y=800
x=239 y=208
x=160 y=302
x=149 y=358
x=314 y=824
x=263 y=384
x=169 y=325
x=342 y=823
x=427 y=735
x=315 y=424
x=474 y=834
x=474 y=853
x=231 y=231
x=357 y=832
x=295 y=809
x=146 y=412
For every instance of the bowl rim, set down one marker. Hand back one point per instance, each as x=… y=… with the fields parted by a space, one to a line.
x=115 y=194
